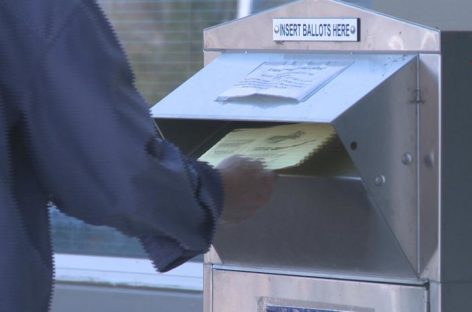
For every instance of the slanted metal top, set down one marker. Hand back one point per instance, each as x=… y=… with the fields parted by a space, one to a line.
x=197 y=97
x=378 y=32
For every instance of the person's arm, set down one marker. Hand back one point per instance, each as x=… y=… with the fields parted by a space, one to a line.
x=96 y=151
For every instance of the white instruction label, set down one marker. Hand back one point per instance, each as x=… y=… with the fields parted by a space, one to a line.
x=291 y=79
x=316 y=29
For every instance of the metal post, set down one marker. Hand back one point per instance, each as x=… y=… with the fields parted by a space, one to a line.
x=244 y=8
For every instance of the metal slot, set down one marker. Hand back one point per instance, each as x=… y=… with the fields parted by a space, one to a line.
x=194 y=137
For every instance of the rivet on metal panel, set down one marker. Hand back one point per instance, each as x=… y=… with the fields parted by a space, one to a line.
x=429 y=160
x=407 y=159
x=380 y=180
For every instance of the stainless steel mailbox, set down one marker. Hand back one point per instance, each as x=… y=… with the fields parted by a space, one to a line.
x=388 y=230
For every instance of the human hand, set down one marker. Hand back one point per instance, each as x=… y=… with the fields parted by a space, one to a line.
x=248 y=186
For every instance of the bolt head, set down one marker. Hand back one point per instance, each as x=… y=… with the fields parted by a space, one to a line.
x=380 y=180
x=407 y=158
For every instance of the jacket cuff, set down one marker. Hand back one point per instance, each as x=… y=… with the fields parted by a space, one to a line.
x=165 y=253
x=210 y=192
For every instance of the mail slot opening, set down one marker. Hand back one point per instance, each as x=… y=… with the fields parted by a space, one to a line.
x=281 y=145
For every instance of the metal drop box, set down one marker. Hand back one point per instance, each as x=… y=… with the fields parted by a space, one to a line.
x=387 y=230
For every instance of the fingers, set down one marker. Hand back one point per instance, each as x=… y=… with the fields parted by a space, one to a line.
x=248 y=186
x=252 y=163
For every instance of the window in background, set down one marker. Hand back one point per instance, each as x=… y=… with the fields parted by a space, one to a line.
x=163 y=38
x=163 y=41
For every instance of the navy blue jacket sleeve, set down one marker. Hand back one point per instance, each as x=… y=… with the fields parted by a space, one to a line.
x=97 y=152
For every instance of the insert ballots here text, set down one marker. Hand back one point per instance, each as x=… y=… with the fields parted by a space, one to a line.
x=316 y=29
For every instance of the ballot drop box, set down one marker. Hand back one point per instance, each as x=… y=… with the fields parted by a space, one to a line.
x=378 y=216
